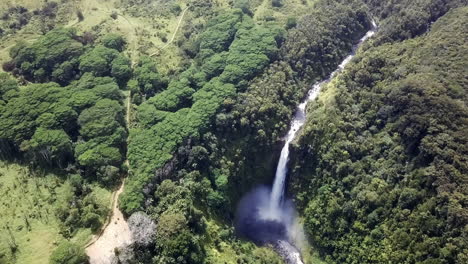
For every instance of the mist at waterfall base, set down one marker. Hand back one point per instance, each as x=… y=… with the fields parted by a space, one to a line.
x=258 y=222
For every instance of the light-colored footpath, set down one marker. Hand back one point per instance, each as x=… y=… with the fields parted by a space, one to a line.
x=116 y=234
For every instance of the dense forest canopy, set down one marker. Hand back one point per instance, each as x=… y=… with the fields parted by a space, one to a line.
x=378 y=173
x=73 y=125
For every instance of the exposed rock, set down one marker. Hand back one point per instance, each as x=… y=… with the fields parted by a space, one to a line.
x=288 y=252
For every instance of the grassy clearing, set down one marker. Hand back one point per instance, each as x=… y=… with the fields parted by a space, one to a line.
x=292 y=8
x=144 y=34
x=31 y=4
x=27 y=217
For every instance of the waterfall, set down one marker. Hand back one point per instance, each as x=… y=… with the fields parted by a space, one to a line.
x=277 y=193
x=264 y=215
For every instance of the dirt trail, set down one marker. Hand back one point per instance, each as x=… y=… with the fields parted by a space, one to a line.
x=129 y=105
x=175 y=32
x=115 y=234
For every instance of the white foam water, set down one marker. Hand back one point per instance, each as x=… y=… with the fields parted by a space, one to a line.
x=277 y=193
x=287 y=250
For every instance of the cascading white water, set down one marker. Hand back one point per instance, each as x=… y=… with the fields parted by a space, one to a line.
x=277 y=193
x=267 y=216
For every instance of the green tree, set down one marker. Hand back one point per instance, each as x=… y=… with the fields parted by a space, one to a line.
x=97 y=156
x=98 y=61
x=101 y=119
x=7 y=85
x=148 y=77
x=53 y=57
x=68 y=253
x=49 y=146
x=114 y=41
x=121 y=70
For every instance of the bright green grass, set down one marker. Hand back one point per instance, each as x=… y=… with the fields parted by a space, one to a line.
x=292 y=8
x=27 y=209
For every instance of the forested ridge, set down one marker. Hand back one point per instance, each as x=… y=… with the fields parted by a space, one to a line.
x=206 y=160
x=378 y=173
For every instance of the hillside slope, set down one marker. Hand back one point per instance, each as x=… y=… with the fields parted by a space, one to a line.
x=380 y=172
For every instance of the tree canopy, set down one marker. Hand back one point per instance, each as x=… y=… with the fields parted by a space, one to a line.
x=380 y=171
x=68 y=253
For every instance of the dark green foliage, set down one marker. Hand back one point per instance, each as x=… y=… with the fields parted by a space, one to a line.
x=380 y=171
x=98 y=61
x=176 y=96
x=246 y=60
x=199 y=132
x=121 y=69
x=68 y=253
x=277 y=3
x=406 y=19
x=82 y=122
x=323 y=38
x=148 y=78
x=114 y=41
x=57 y=51
x=80 y=209
x=60 y=56
x=195 y=97
x=219 y=33
x=18 y=120
x=15 y=18
x=215 y=65
x=49 y=146
x=101 y=128
x=148 y=115
x=158 y=143
x=176 y=9
x=42 y=121
x=7 y=86
x=79 y=15
x=291 y=22
x=101 y=119
x=93 y=154
x=89 y=89
x=246 y=6
x=262 y=113
x=180 y=225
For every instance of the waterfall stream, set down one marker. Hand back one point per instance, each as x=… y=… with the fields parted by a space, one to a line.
x=290 y=254
x=267 y=217
x=277 y=193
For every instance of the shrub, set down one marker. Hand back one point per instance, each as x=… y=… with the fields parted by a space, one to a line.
x=80 y=15
x=291 y=22
x=8 y=66
x=68 y=253
x=114 y=15
x=114 y=41
x=277 y=3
